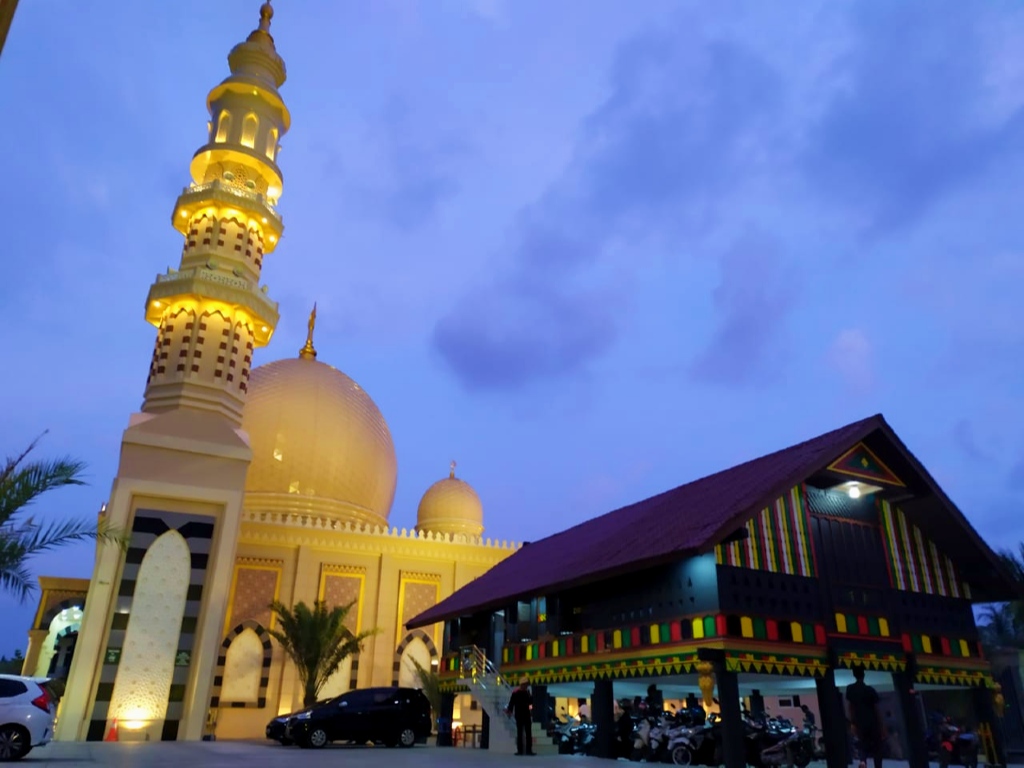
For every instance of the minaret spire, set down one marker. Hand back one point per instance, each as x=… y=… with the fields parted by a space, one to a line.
x=266 y=14
x=211 y=311
x=308 y=352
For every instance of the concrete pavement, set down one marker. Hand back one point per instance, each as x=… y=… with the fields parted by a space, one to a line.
x=259 y=754
x=262 y=754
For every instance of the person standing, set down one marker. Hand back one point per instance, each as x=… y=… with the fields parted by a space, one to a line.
x=862 y=704
x=519 y=706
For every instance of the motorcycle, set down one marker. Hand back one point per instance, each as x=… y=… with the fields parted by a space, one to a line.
x=774 y=742
x=957 y=747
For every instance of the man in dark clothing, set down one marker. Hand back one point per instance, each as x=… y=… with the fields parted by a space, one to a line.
x=519 y=706
x=655 y=701
x=862 y=706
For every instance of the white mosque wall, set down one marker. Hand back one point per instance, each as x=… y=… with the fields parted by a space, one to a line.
x=144 y=675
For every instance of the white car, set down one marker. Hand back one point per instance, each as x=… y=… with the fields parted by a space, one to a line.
x=26 y=715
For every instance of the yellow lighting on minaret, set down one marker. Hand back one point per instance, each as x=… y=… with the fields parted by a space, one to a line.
x=210 y=312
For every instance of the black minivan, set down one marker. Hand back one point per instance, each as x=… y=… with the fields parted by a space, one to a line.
x=392 y=716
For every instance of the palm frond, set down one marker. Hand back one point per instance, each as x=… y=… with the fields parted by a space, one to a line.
x=430 y=684
x=317 y=640
x=21 y=483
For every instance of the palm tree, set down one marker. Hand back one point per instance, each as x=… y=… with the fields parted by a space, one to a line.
x=1002 y=624
x=430 y=684
x=317 y=640
x=1014 y=563
x=1000 y=627
x=21 y=482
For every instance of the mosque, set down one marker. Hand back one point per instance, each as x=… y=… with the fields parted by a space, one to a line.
x=238 y=485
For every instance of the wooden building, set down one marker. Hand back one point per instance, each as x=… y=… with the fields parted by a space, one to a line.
x=783 y=572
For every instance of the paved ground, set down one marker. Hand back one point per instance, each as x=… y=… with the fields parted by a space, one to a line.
x=258 y=754
x=255 y=754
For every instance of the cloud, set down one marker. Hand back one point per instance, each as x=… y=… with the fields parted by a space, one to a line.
x=415 y=168
x=851 y=355
x=679 y=130
x=506 y=337
x=908 y=121
x=753 y=301
x=965 y=439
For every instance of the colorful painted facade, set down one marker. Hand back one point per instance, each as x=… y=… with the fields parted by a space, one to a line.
x=832 y=574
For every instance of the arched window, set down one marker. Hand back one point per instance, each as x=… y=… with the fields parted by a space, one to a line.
x=249 y=127
x=271 y=142
x=223 y=126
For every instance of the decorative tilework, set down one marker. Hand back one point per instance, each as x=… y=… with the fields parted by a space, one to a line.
x=254 y=590
x=341 y=589
x=147 y=527
x=146 y=664
x=341 y=585
x=418 y=598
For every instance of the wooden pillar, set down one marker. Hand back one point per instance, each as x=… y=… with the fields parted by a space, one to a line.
x=985 y=712
x=541 y=711
x=602 y=713
x=444 y=720
x=728 y=685
x=903 y=684
x=834 y=728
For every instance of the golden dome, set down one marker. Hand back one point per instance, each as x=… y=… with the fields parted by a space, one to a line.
x=319 y=443
x=451 y=506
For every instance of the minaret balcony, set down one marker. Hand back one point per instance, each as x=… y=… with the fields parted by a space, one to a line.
x=198 y=196
x=204 y=286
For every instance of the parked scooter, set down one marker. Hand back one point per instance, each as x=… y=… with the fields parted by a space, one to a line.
x=956 y=746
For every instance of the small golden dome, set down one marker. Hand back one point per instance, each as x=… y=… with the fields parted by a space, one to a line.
x=320 y=444
x=451 y=506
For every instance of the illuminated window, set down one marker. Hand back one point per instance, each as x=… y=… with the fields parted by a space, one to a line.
x=223 y=126
x=249 y=127
x=278 y=455
x=293 y=487
x=271 y=142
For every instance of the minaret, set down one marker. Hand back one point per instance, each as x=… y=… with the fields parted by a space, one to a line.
x=211 y=312
x=153 y=624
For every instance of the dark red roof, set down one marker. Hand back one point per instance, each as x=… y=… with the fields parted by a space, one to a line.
x=683 y=521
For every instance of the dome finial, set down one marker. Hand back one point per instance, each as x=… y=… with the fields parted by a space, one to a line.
x=266 y=14
x=308 y=352
x=452 y=467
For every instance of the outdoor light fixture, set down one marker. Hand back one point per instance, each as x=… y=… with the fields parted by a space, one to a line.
x=856 y=489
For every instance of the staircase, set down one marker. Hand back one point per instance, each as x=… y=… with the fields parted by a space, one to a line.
x=492 y=692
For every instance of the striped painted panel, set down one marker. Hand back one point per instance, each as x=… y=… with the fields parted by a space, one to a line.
x=777 y=539
x=915 y=564
x=147 y=527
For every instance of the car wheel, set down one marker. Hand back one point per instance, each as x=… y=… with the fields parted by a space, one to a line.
x=13 y=743
x=406 y=737
x=316 y=738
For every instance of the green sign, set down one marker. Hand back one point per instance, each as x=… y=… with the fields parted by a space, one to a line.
x=183 y=659
x=113 y=656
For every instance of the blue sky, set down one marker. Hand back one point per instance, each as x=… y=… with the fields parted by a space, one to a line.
x=590 y=249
